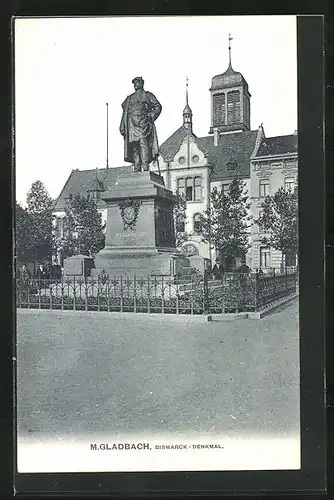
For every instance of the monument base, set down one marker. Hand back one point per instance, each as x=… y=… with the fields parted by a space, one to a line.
x=136 y=264
x=140 y=239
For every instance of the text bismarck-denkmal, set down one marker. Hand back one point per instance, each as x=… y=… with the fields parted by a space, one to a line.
x=147 y=446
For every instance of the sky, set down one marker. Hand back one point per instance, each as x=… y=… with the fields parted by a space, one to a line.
x=67 y=69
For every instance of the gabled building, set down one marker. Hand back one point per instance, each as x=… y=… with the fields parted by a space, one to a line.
x=274 y=165
x=193 y=166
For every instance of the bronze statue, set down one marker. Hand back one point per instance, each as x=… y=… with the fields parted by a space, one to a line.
x=140 y=110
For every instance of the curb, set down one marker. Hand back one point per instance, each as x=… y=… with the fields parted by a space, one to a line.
x=198 y=318
x=272 y=307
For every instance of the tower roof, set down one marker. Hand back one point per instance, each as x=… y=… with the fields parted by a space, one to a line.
x=187 y=110
x=230 y=78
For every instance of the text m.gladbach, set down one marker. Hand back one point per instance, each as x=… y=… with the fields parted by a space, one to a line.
x=120 y=446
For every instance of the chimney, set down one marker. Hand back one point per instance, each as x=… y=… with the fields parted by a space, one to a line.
x=215 y=136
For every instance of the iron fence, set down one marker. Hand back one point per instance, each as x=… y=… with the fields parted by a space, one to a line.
x=235 y=292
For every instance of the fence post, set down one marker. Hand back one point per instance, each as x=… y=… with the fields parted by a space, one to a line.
x=108 y=292
x=162 y=296
x=177 y=298
x=121 y=293
x=223 y=292
x=134 y=294
x=74 y=292
x=28 y=294
x=62 y=285
x=39 y=294
x=205 y=293
x=86 y=295
x=148 y=294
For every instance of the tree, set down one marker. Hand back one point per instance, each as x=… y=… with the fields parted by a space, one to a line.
x=83 y=227
x=23 y=240
x=180 y=219
x=280 y=219
x=40 y=216
x=224 y=225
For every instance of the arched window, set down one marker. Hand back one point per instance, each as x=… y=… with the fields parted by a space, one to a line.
x=180 y=224
x=197 y=223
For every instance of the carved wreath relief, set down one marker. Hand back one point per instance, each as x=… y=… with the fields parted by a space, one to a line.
x=129 y=213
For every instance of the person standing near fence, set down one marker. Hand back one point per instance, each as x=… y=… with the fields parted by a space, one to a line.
x=217 y=270
x=24 y=272
x=41 y=272
x=56 y=271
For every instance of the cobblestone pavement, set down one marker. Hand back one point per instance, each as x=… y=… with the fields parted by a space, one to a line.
x=85 y=373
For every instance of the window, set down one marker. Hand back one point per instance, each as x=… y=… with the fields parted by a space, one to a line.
x=233 y=106
x=289 y=184
x=218 y=109
x=232 y=165
x=197 y=223
x=59 y=227
x=290 y=260
x=181 y=187
x=191 y=188
x=264 y=257
x=182 y=160
x=198 y=189
x=225 y=189
x=180 y=224
x=264 y=188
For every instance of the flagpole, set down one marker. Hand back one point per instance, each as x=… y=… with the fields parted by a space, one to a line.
x=107 y=159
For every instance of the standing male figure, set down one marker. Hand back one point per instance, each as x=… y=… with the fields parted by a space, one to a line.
x=140 y=110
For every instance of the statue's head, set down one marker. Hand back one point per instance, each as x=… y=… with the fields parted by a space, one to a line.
x=138 y=83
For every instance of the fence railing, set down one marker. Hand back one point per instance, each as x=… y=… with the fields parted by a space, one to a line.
x=235 y=292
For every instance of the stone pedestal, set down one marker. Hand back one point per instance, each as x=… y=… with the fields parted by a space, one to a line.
x=78 y=266
x=140 y=238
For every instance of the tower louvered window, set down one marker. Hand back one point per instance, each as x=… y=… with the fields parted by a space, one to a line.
x=233 y=106
x=218 y=109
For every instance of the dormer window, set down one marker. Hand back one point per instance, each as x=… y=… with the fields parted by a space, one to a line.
x=232 y=165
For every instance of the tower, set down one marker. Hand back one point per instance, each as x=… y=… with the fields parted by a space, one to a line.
x=230 y=100
x=187 y=113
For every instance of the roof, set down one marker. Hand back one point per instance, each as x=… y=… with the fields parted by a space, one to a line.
x=82 y=181
x=230 y=78
x=237 y=146
x=278 y=145
x=170 y=147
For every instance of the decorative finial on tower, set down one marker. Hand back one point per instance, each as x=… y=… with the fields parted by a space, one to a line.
x=229 y=49
x=187 y=79
x=187 y=113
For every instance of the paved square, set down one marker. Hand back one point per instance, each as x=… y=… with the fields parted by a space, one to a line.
x=89 y=373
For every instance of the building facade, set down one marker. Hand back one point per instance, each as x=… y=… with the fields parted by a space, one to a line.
x=193 y=166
